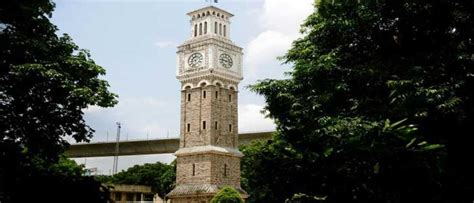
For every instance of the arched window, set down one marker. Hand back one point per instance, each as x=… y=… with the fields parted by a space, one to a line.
x=203 y=94
x=230 y=127
x=215 y=27
x=194 y=169
x=189 y=97
x=217 y=94
x=195 y=30
x=220 y=29
x=204 y=125
x=200 y=28
x=189 y=127
x=215 y=125
x=224 y=30
x=205 y=27
x=230 y=97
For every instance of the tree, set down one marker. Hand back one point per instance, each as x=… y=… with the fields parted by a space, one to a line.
x=45 y=82
x=227 y=195
x=378 y=106
x=161 y=177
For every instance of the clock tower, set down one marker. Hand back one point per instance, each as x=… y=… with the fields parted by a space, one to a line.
x=209 y=67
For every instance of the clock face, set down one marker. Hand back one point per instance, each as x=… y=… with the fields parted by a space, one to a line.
x=195 y=60
x=226 y=61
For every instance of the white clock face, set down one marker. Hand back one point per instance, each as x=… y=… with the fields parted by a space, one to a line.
x=226 y=61
x=195 y=60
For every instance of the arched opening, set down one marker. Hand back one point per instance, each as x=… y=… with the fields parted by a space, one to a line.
x=189 y=97
x=194 y=169
x=203 y=94
x=204 y=125
x=220 y=29
x=203 y=83
x=195 y=30
x=230 y=127
x=200 y=28
x=215 y=27
x=205 y=27
x=215 y=125
x=188 y=129
x=224 y=30
x=199 y=16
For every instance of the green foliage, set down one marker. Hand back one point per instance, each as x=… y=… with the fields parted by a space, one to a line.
x=227 y=195
x=303 y=198
x=378 y=107
x=45 y=82
x=161 y=177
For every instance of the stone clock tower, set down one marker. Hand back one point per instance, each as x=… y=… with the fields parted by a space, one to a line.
x=209 y=69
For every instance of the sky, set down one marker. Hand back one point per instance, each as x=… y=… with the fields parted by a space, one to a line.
x=136 y=40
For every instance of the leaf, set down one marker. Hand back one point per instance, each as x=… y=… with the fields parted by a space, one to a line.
x=432 y=147
x=376 y=168
x=328 y=151
x=412 y=141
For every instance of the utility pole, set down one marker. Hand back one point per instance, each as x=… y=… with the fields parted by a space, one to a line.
x=114 y=170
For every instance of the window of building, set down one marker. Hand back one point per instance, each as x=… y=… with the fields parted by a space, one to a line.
x=215 y=27
x=200 y=28
x=215 y=125
x=189 y=96
x=225 y=170
x=204 y=125
x=220 y=29
x=130 y=197
x=189 y=127
x=230 y=127
x=205 y=27
x=194 y=169
x=195 y=30
x=230 y=97
x=118 y=196
x=217 y=94
x=224 y=30
x=204 y=94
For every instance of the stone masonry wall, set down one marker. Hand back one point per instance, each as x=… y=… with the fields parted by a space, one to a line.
x=218 y=112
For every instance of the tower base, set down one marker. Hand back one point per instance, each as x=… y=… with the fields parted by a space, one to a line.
x=197 y=193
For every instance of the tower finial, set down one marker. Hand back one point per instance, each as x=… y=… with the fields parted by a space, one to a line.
x=212 y=1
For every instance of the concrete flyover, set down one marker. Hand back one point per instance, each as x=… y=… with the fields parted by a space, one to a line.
x=142 y=147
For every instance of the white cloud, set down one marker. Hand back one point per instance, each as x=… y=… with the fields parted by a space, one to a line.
x=140 y=118
x=264 y=49
x=92 y=109
x=280 y=21
x=252 y=120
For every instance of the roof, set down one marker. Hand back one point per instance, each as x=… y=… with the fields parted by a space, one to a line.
x=209 y=8
x=202 y=189
x=129 y=188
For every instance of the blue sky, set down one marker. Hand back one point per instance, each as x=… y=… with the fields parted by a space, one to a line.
x=135 y=41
